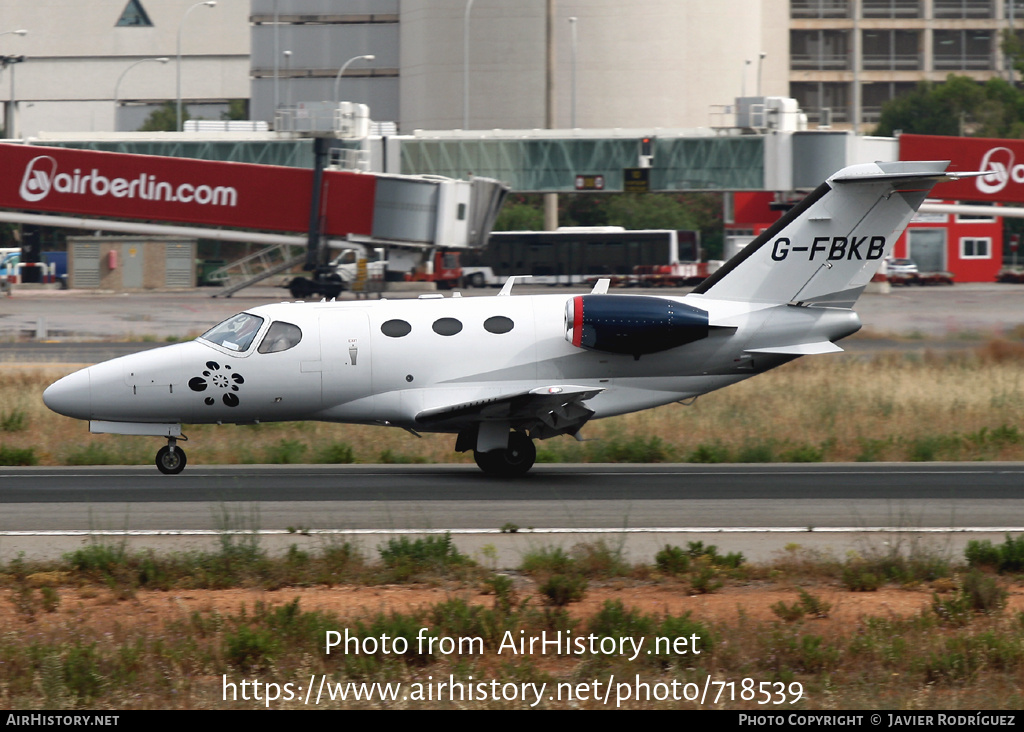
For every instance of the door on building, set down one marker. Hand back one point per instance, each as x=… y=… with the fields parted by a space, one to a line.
x=927 y=247
x=131 y=265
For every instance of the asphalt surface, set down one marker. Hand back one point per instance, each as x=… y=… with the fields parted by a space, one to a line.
x=756 y=509
x=438 y=485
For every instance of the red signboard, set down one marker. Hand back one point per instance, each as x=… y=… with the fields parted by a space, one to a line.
x=200 y=192
x=1002 y=160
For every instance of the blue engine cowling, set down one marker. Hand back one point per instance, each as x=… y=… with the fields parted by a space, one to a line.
x=632 y=324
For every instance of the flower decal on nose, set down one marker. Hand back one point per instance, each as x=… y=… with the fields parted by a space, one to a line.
x=215 y=378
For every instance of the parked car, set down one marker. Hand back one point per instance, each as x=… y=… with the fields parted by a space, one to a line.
x=901 y=266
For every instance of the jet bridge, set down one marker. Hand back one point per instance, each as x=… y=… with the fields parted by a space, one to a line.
x=223 y=200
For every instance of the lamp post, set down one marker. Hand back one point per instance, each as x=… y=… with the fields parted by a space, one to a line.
x=117 y=86
x=288 y=75
x=181 y=26
x=760 y=63
x=465 y=66
x=572 y=28
x=6 y=62
x=341 y=72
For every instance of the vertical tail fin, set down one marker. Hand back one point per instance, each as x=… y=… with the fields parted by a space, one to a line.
x=826 y=249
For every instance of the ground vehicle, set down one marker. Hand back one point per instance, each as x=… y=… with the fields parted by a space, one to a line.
x=500 y=372
x=355 y=270
x=575 y=255
x=901 y=266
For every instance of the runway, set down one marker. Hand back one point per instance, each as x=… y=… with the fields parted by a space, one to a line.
x=757 y=509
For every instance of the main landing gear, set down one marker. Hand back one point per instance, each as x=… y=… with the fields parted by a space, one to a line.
x=511 y=462
x=170 y=459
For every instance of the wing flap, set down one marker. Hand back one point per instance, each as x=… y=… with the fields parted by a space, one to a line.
x=799 y=349
x=544 y=411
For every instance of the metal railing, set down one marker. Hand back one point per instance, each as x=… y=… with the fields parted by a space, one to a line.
x=255 y=267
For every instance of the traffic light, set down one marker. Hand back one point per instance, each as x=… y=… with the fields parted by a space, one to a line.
x=646 y=152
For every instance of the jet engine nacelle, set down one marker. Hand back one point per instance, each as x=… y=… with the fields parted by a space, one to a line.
x=632 y=324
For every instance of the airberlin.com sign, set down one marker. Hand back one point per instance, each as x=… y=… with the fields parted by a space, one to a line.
x=199 y=192
x=41 y=177
x=1002 y=161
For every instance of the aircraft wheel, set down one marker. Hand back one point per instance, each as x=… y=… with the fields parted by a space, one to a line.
x=170 y=463
x=332 y=287
x=513 y=461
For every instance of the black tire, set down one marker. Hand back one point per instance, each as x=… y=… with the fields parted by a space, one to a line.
x=170 y=463
x=477 y=280
x=331 y=286
x=513 y=461
x=300 y=288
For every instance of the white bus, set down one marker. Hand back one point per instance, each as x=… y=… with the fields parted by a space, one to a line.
x=576 y=255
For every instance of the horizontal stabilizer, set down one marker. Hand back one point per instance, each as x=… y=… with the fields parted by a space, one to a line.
x=800 y=349
x=844 y=177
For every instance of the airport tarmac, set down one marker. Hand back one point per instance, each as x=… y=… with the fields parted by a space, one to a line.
x=962 y=312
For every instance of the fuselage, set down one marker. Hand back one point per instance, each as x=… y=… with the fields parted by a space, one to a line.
x=384 y=362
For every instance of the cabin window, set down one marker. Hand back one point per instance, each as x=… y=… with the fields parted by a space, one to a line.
x=447 y=326
x=236 y=333
x=396 y=328
x=498 y=324
x=280 y=337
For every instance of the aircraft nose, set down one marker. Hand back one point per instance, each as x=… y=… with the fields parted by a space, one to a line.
x=71 y=396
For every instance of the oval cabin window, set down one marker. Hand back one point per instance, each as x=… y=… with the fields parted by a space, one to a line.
x=447 y=326
x=498 y=324
x=396 y=328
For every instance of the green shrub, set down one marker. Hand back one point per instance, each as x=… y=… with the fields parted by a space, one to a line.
x=406 y=557
x=285 y=452
x=978 y=594
x=18 y=455
x=561 y=589
x=857 y=578
x=15 y=420
x=598 y=559
x=616 y=621
x=634 y=450
x=714 y=452
x=704 y=579
x=93 y=454
x=1008 y=557
x=250 y=649
x=336 y=453
x=672 y=560
x=547 y=560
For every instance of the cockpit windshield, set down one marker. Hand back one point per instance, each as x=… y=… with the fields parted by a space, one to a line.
x=236 y=333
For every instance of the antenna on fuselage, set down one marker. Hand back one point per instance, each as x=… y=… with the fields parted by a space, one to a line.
x=506 y=289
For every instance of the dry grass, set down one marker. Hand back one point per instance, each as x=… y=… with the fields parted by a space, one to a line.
x=965 y=406
x=107 y=630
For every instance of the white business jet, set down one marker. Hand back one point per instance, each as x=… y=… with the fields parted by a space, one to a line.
x=500 y=372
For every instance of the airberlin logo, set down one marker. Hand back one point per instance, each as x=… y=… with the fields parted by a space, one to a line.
x=999 y=170
x=41 y=178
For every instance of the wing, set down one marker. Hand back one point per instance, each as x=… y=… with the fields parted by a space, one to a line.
x=544 y=412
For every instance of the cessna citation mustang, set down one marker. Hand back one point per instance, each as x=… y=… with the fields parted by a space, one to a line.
x=500 y=372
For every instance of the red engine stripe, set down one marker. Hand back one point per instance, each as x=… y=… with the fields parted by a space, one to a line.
x=577 y=320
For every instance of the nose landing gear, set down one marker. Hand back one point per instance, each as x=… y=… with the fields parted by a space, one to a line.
x=170 y=459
